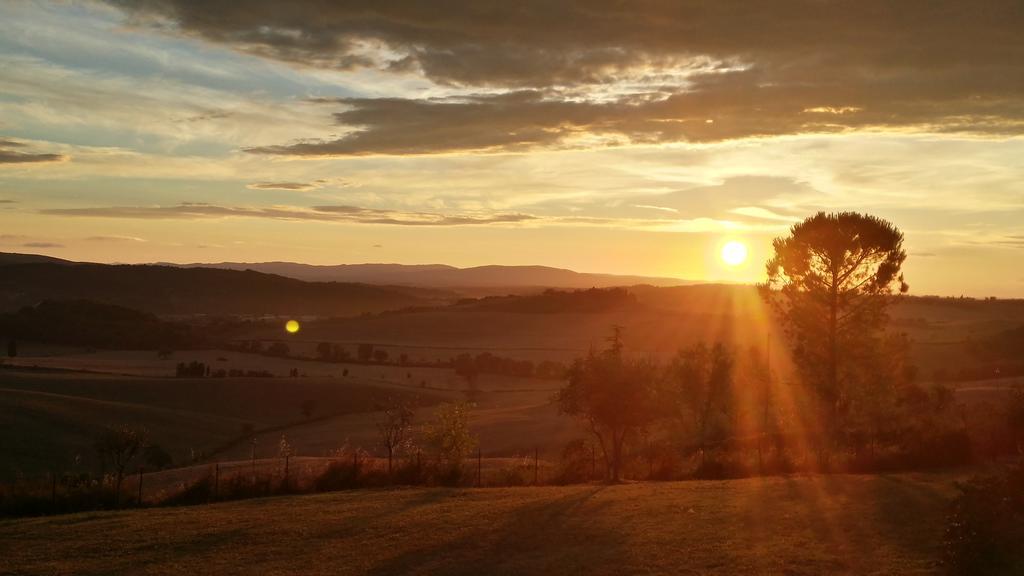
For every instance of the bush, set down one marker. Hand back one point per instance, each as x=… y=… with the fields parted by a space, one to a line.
x=339 y=475
x=985 y=533
x=578 y=463
x=70 y=494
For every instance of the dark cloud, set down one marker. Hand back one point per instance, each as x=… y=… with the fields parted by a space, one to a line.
x=10 y=153
x=649 y=71
x=7 y=201
x=42 y=245
x=317 y=213
x=281 y=186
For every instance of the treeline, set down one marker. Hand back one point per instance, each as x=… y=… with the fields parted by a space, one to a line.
x=467 y=365
x=712 y=412
x=93 y=324
x=196 y=369
x=100 y=325
x=553 y=301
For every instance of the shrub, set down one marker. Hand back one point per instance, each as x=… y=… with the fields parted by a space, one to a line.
x=985 y=533
x=577 y=463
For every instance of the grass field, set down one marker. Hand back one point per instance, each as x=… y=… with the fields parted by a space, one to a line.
x=800 y=525
x=49 y=420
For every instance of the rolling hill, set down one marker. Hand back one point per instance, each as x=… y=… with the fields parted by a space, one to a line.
x=182 y=291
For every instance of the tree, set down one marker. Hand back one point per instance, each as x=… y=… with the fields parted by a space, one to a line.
x=704 y=381
x=12 y=348
x=614 y=395
x=325 y=351
x=364 y=352
x=118 y=447
x=449 y=435
x=156 y=457
x=278 y=349
x=340 y=353
x=829 y=281
x=1015 y=419
x=395 y=428
x=380 y=356
x=466 y=366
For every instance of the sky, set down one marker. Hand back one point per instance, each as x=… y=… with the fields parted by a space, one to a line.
x=601 y=136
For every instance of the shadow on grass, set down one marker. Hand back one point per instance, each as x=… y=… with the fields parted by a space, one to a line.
x=536 y=538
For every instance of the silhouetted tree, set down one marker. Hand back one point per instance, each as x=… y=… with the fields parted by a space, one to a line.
x=380 y=356
x=614 y=395
x=829 y=280
x=324 y=351
x=118 y=447
x=1015 y=419
x=704 y=380
x=364 y=352
x=394 y=428
x=449 y=435
x=12 y=348
x=156 y=458
x=278 y=349
x=466 y=367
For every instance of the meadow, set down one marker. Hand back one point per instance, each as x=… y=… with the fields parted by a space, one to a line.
x=839 y=524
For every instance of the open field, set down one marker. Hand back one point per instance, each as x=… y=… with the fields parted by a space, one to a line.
x=798 y=525
x=49 y=420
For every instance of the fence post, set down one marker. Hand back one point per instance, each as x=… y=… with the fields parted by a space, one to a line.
x=254 y=462
x=536 y=463
x=216 y=480
x=286 y=457
x=53 y=490
x=142 y=470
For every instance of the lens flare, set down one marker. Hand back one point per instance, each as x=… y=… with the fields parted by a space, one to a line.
x=734 y=253
x=292 y=326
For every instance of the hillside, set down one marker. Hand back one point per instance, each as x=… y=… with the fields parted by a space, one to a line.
x=172 y=291
x=8 y=258
x=799 y=525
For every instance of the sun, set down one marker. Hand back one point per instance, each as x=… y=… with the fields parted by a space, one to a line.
x=292 y=326
x=734 y=253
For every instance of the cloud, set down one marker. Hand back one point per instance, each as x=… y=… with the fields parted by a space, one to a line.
x=282 y=186
x=115 y=239
x=539 y=73
x=7 y=201
x=42 y=245
x=339 y=213
x=9 y=156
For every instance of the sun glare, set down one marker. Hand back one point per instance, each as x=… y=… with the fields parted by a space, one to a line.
x=292 y=326
x=734 y=253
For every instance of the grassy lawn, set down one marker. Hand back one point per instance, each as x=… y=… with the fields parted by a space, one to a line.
x=819 y=525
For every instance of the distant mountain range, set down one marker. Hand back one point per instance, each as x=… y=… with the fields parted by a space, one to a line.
x=276 y=287
x=167 y=290
x=442 y=276
x=426 y=275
